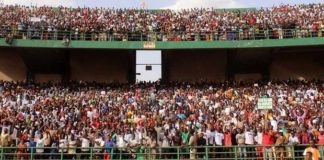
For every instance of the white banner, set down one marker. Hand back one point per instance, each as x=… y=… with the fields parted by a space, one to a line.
x=265 y=103
x=35 y=19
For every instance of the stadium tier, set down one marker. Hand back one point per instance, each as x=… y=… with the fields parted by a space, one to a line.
x=277 y=26
x=234 y=84
x=102 y=24
x=80 y=120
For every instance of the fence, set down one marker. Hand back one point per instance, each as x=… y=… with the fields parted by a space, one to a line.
x=221 y=35
x=244 y=152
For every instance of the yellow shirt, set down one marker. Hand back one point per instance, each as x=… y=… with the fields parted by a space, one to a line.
x=315 y=152
x=130 y=112
x=4 y=139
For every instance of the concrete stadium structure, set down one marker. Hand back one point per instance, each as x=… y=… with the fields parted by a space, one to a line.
x=53 y=63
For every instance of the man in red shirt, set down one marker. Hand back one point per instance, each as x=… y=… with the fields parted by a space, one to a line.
x=227 y=138
x=321 y=141
x=228 y=141
x=321 y=138
x=305 y=137
x=267 y=140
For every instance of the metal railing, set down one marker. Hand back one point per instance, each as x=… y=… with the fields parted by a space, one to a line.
x=243 y=152
x=227 y=35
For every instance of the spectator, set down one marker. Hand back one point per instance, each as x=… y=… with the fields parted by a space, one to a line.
x=85 y=146
x=309 y=156
x=22 y=151
x=193 y=144
x=201 y=143
x=313 y=150
x=40 y=147
x=159 y=115
x=240 y=137
x=169 y=25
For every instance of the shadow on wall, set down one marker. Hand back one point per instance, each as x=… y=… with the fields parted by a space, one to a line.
x=191 y=66
x=297 y=66
x=12 y=66
x=43 y=78
x=247 y=77
x=100 y=66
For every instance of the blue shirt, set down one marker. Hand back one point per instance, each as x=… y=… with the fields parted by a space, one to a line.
x=32 y=145
x=55 y=144
x=108 y=146
x=130 y=100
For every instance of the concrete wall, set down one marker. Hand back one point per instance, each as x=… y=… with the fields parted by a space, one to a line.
x=12 y=67
x=43 y=78
x=191 y=65
x=99 y=65
x=249 y=64
x=182 y=65
x=297 y=66
x=247 y=77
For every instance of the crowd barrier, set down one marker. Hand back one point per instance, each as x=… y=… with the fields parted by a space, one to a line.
x=224 y=35
x=243 y=152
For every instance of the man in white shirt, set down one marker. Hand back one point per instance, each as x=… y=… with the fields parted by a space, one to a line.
x=219 y=138
x=274 y=124
x=210 y=134
x=293 y=139
x=249 y=140
x=90 y=114
x=249 y=136
x=121 y=144
x=158 y=130
x=139 y=135
x=210 y=137
x=127 y=136
x=240 y=138
x=40 y=147
x=98 y=143
x=85 y=144
x=132 y=144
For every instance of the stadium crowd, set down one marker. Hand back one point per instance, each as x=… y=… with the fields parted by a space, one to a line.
x=141 y=118
x=284 y=21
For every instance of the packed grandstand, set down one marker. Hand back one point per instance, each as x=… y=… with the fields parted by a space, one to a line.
x=161 y=120
x=284 y=21
x=130 y=118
